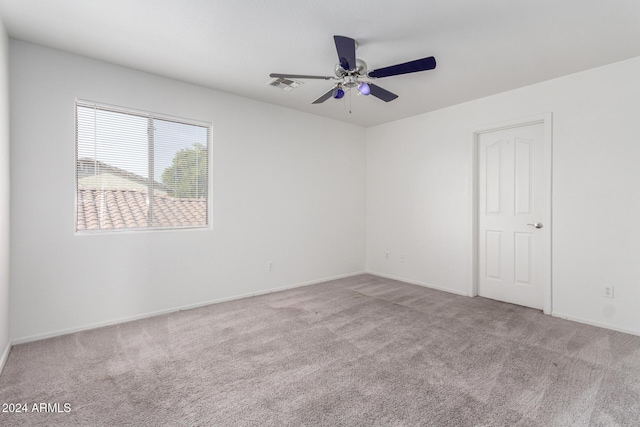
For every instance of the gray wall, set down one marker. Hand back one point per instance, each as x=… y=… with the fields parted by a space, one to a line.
x=4 y=196
x=419 y=191
x=288 y=187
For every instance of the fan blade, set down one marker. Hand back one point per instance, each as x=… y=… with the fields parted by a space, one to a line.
x=324 y=97
x=299 y=76
x=346 y=48
x=406 y=68
x=380 y=93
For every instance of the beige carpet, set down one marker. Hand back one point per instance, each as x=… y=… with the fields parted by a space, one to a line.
x=362 y=351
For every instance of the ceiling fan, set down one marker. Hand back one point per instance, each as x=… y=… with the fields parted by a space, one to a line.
x=351 y=72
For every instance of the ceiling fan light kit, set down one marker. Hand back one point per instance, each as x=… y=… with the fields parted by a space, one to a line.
x=364 y=89
x=351 y=72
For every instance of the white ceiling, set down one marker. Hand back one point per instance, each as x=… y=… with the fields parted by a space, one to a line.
x=482 y=47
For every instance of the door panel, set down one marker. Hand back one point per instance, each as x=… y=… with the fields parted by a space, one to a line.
x=523 y=177
x=523 y=259
x=493 y=178
x=510 y=196
x=493 y=254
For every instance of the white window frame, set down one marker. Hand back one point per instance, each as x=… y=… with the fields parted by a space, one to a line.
x=126 y=110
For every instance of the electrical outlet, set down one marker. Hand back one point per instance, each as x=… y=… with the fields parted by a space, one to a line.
x=403 y=258
x=607 y=291
x=271 y=266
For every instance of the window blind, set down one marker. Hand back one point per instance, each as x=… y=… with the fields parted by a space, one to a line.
x=138 y=170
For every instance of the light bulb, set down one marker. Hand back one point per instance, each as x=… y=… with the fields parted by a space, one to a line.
x=338 y=93
x=364 y=89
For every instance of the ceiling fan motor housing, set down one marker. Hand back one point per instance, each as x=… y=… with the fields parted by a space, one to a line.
x=349 y=81
x=360 y=70
x=350 y=78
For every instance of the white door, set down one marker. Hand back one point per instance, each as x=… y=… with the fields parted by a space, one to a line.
x=511 y=215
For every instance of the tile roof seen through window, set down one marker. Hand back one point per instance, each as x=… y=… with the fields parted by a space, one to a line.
x=105 y=209
x=96 y=174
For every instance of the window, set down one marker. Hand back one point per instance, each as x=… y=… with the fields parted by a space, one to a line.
x=139 y=171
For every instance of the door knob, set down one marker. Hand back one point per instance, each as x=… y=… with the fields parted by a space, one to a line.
x=536 y=224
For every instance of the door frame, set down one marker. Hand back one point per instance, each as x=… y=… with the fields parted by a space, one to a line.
x=546 y=279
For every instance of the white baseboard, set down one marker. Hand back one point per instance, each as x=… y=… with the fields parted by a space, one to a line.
x=5 y=355
x=415 y=282
x=594 y=323
x=45 y=335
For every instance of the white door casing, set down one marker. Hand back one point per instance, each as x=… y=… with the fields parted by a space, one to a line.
x=513 y=257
